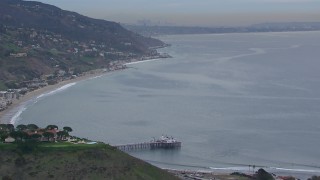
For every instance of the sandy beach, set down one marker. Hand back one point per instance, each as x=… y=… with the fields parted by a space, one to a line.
x=17 y=102
x=91 y=74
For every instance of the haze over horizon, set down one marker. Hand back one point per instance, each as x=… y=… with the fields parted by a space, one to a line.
x=195 y=12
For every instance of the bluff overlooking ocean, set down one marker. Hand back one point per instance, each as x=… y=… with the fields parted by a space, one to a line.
x=233 y=100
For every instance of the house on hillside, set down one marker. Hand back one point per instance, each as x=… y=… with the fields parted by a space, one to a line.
x=41 y=137
x=3 y=104
x=3 y=93
x=18 y=55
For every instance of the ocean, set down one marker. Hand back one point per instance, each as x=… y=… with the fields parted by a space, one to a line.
x=234 y=100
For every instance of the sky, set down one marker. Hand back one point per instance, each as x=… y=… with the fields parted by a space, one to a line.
x=195 y=12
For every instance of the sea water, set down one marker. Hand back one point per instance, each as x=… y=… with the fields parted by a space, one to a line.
x=234 y=100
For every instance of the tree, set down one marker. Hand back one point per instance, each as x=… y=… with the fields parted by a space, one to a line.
x=14 y=134
x=3 y=127
x=67 y=129
x=19 y=134
x=263 y=175
x=48 y=135
x=50 y=127
x=10 y=127
x=32 y=127
x=3 y=135
x=62 y=134
x=21 y=127
x=23 y=135
x=35 y=136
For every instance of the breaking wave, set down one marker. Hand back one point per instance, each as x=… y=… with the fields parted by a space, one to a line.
x=56 y=90
x=15 y=116
x=143 y=61
x=239 y=168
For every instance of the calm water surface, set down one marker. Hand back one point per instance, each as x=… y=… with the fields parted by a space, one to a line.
x=233 y=100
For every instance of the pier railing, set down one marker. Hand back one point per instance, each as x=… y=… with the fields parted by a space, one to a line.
x=148 y=145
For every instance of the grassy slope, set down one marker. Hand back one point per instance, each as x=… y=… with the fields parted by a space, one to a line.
x=66 y=161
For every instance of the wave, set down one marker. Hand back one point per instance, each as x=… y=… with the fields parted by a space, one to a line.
x=95 y=77
x=230 y=168
x=239 y=168
x=16 y=116
x=143 y=61
x=271 y=169
x=56 y=90
x=296 y=170
x=179 y=165
x=24 y=106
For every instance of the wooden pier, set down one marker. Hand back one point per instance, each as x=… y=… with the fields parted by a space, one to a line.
x=164 y=142
x=148 y=145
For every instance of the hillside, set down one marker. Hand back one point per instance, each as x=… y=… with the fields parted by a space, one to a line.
x=38 y=39
x=73 y=161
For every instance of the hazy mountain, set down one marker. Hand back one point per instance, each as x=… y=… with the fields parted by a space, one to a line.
x=29 y=14
x=263 y=27
x=38 y=39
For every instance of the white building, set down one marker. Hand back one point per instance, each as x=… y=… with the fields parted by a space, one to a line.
x=3 y=93
x=9 y=140
x=3 y=104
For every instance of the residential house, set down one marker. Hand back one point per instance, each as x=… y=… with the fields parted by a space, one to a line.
x=18 y=55
x=41 y=131
x=9 y=95
x=3 y=104
x=2 y=93
x=61 y=73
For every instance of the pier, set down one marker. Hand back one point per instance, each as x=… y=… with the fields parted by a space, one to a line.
x=163 y=143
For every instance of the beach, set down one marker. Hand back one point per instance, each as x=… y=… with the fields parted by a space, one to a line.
x=36 y=93
x=13 y=109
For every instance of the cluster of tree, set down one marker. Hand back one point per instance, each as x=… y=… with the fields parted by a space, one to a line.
x=32 y=132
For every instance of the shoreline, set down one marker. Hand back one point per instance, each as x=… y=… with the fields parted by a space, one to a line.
x=187 y=174
x=30 y=95
x=86 y=76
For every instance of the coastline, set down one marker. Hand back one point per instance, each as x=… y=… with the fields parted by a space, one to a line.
x=234 y=175
x=13 y=108
x=30 y=95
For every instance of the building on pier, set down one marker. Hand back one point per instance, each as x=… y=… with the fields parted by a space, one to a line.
x=164 y=142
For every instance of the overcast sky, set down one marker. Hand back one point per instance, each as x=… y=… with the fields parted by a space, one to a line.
x=196 y=12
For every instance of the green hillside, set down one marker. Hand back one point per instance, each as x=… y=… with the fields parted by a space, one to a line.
x=73 y=161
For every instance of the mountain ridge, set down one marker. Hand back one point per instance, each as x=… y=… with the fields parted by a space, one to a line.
x=32 y=14
x=154 y=30
x=38 y=39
